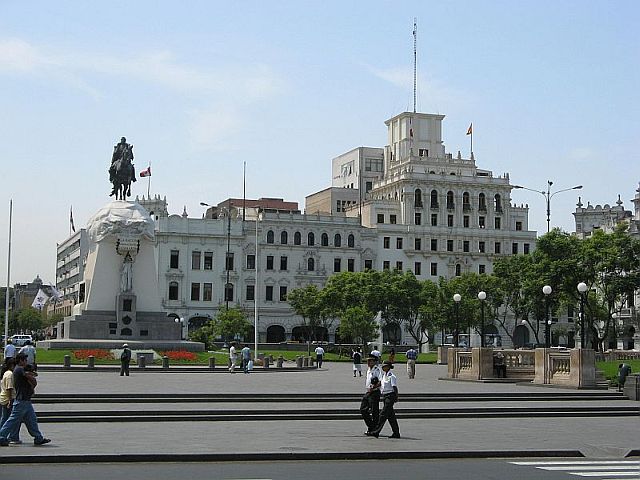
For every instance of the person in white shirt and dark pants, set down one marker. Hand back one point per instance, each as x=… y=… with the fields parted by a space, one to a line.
x=389 y=390
x=319 y=356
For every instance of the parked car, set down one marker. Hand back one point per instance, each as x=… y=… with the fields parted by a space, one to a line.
x=21 y=340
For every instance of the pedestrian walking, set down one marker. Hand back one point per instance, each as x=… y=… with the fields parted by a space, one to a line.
x=319 y=355
x=357 y=361
x=233 y=358
x=624 y=370
x=246 y=358
x=7 y=397
x=125 y=360
x=392 y=355
x=30 y=351
x=412 y=356
x=376 y=353
x=389 y=391
x=9 y=349
x=22 y=411
x=370 y=404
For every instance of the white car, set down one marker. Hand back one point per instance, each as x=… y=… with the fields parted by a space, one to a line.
x=21 y=340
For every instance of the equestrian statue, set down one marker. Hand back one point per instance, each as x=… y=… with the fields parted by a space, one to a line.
x=122 y=172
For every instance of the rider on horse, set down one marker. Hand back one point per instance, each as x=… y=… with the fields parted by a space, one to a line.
x=121 y=164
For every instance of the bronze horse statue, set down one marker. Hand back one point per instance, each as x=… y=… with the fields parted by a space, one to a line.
x=122 y=172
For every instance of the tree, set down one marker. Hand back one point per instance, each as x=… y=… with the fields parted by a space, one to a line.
x=231 y=323
x=307 y=303
x=359 y=323
x=28 y=320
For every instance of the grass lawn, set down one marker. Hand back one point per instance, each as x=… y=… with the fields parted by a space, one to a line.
x=610 y=368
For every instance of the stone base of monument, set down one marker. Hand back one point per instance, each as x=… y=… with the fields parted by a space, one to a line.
x=87 y=343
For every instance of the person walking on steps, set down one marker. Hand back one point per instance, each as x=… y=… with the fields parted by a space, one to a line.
x=412 y=356
x=370 y=404
x=125 y=360
x=357 y=361
x=389 y=391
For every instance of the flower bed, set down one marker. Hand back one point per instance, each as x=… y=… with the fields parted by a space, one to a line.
x=180 y=355
x=99 y=354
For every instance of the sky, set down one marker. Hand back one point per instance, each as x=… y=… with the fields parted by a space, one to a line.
x=200 y=87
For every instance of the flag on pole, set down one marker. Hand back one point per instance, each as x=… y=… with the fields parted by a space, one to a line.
x=470 y=129
x=73 y=227
x=40 y=300
x=146 y=172
x=55 y=293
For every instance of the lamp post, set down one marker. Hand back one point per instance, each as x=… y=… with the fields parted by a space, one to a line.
x=482 y=296
x=548 y=195
x=456 y=299
x=255 y=291
x=228 y=254
x=547 y=322
x=582 y=288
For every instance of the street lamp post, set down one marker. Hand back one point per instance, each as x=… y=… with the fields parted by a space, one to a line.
x=582 y=288
x=548 y=195
x=482 y=296
x=228 y=254
x=547 y=322
x=256 y=289
x=456 y=299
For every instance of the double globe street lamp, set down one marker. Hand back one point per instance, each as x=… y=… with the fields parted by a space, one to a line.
x=582 y=288
x=548 y=195
x=547 y=324
x=456 y=299
x=482 y=296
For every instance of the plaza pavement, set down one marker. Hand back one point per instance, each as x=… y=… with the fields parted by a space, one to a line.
x=610 y=437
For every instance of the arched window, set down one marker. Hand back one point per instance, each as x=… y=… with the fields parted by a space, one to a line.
x=458 y=270
x=337 y=240
x=275 y=334
x=417 y=197
x=311 y=239
x=297 y=238
x=497 y=203
x=450 y=204
x=173 y=290
x=270 y=236
x=324 y=240
x=482 y=202
x=311 y=264
x=466 y=202
x=351 y=241
x=434 y=199
x=284 y=238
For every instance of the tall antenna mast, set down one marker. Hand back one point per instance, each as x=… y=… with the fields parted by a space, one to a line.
x=415 y=61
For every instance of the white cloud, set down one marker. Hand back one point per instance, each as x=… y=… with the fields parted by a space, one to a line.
x=18 y=55
x=214 y=129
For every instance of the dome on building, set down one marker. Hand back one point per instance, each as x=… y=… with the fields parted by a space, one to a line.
x=121 y=218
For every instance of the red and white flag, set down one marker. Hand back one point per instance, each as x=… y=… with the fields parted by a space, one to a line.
x=146 y=172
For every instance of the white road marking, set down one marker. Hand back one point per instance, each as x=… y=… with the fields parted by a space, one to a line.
x=603 y=469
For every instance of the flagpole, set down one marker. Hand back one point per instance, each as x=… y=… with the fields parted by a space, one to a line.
x=6 y=299
x=149 y=184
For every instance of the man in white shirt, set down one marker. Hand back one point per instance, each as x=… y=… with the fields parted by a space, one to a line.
x=370 y=404
x=376 y=353
x=319 y=355
x=389 y=391
x=30 y=351
x=233 y=357
x=9 y=349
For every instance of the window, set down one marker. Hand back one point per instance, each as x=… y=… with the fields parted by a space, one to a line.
x=284 y=238
x=381 y=218
x=518 y=226
x=368 y=265
x=525 y=249
x=496 y=247
x=481 y=223
x=270 y=236
x=195 y=260
x=399 y=243
x=311 y=264
x=514 y=248
x=351 y=241
x=208 y=260
x=324 y=240
x=449 y=220
x=386 y=265
x=311 y=239
x=417 y=197
x=297 y=238
x=337 y=264
x=417 y=268
x=423 y=152
x=482 y=269
x=268 y=293
x=465 y=246
x=450 y=203
x=449 y=245
x=228 y=292
x=434 y=244
x=465 y=221
x=283 y=263
x=373 y=165
x=368 y=186
x=458 y=270
x=175 y=256
x=417 y=218
x=497 y=203
x=337 y=240
x=351 y=265
x=250 y=293
x=497 y=223
x=229 y=262
x=434 y=199
x=386 y=242
x=251 y=262
x=417 y=244
x=434 y=269
x=434 y=219
x=481 y=247
x=399 y=266
x=393 y=219
x=283 y=293
x=466 y=203
x=173 y=290
x=482 y=202
x=195 y=292
x=570 y=313
x=207 y=292
x=338 y=206
x=269 y=262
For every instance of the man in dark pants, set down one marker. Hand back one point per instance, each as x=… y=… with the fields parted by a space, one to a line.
x=125 y=359
x=389 y=390
x=370 y=405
